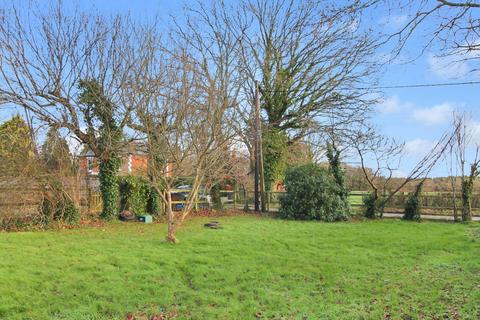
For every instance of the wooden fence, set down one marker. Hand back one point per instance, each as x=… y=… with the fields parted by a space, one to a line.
x=434 y=203
x=94 y=201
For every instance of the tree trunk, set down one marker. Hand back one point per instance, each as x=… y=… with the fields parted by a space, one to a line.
x=108 y=186
x=455 y=208
x=171 y=232
x=467 y=207
x=172 y=227
x=466 y=213
x=467 y=190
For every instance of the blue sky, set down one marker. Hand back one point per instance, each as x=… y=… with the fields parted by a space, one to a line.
x=417 y=116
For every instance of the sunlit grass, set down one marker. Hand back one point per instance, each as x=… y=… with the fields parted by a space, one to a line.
x=254 y=267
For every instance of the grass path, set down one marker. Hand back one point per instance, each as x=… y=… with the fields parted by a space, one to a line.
x=253 y=268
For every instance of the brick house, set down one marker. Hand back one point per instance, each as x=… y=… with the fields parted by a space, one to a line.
x=134 y=160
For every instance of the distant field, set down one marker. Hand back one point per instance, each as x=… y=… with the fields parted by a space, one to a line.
x=356 y=198
x=254 y=268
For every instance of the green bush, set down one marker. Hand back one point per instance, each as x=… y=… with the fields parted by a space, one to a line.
x=413 y=205
x=153 y=202
x=370 y=204
x=64 y=211
x=138 y=196
x=312 y=194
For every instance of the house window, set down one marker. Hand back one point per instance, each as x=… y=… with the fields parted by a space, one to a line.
x=90 y=164
x=129 y=163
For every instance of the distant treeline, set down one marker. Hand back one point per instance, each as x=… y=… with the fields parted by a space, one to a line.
x=356 y=182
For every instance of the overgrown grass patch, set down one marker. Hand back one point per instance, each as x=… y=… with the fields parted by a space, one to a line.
x=252 y=268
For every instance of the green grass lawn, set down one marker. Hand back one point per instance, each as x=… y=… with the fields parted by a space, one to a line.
x=254 y=267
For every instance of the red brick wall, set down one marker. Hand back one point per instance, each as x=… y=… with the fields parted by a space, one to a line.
x=139 y=164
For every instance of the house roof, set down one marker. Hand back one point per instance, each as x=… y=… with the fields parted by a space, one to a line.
x=133 y=147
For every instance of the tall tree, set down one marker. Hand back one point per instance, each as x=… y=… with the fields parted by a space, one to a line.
x=467 y=156
x=312 y=58
x=184 y=119
x=16 y=147
x=99 y=112
x=72 y=70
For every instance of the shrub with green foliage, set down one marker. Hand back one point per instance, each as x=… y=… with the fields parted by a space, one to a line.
x=138 y=196
x=64 y=211
x=312 y=194
x=413 y=205
x=370 y=205
x=373 y=205
x=16 y=147
x=153 y=202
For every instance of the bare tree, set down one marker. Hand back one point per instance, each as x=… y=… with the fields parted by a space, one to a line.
x=312 y=60
x=183 y=117
x=386 y=155
x=461 y=148
x=451 y=28
x=71 y=71
x=450 y=160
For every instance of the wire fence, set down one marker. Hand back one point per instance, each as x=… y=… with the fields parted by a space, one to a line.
x=432 y=203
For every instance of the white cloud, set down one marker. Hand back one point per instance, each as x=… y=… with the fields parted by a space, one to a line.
x=418 y=147
x=398 y=20
x=399 y=174
x=435 y=115
x=448 y=68
x=392 y=105
x=394 y=21
x=474 y=127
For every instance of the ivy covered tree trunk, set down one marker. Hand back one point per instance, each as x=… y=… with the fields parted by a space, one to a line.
x=105 y=137
x=335 y=168
x=109 y=186
x=467 y=188
x=275 y=145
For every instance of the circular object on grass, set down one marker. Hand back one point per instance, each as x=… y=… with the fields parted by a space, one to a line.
x=127 y=216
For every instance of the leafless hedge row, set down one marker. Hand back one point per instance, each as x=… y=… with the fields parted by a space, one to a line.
x=22 y=200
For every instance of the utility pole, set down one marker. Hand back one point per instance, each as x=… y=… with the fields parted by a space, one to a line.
x=257 y=158
x=259 y=175
x=260 y=154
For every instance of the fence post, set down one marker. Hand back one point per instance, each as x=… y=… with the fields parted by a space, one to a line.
x=245 y=199
x=269 y=194
x=235 y=199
